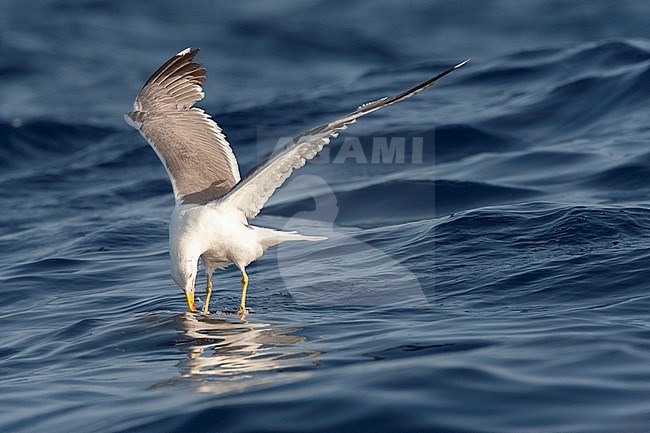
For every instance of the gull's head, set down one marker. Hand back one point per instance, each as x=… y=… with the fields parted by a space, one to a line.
x=184 y=275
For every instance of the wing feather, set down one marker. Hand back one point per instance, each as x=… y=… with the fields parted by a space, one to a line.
x=257 y=186
x=191 y=146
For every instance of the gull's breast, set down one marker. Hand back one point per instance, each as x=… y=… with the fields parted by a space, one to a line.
x=224 y=235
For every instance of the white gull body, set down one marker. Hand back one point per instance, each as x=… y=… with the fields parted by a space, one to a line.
x=214 y=204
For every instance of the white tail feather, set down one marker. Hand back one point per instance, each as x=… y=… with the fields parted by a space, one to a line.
x=270 y=238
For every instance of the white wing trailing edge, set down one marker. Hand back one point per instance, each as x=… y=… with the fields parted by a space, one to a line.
x=257 y=186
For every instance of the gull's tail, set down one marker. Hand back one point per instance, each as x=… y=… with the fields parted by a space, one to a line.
x=269 y=238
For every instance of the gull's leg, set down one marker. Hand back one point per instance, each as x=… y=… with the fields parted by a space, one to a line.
x=244 y=286
x=208 y=293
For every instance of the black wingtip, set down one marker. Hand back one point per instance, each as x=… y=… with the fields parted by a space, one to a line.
x=428 y=83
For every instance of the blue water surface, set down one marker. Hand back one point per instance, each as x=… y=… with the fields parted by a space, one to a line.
x=495 y=281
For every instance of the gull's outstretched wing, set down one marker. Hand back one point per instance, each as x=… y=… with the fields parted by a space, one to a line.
x=257 y=186
x=191 y=146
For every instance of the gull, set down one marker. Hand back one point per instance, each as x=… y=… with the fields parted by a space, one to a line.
x=214 y=204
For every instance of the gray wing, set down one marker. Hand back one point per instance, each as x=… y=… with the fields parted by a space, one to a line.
x=191 y=146
x=261 y=181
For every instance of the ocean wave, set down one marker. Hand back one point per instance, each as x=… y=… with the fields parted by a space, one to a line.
x=24 y=144
x=500 y=284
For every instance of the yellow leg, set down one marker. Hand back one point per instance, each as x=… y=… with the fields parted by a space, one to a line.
x=208 y=293
x=244 y=286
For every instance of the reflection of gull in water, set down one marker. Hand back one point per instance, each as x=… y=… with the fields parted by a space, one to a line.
x=222 y=351
x=213 y=203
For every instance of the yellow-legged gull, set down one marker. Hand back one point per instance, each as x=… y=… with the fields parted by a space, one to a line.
x=213 y=203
